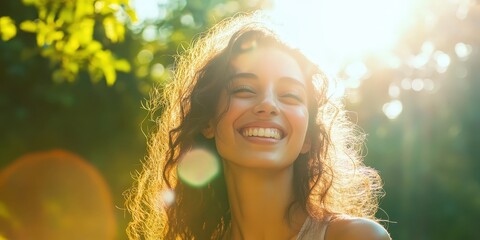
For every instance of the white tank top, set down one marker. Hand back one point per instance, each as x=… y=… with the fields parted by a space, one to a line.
x=313 y=229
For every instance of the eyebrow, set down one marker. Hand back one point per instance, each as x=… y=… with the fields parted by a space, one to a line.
x=242 y=75
x=290 y=80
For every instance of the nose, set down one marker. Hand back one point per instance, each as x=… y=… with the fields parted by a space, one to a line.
x=266 y=106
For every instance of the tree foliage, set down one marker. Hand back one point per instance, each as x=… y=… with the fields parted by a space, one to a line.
x=65 y=35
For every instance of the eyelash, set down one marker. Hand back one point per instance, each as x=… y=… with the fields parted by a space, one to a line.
x=295 y=96
x=248 y=89
x=242 y=88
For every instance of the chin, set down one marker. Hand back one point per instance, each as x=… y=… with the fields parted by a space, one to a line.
x=262 y=163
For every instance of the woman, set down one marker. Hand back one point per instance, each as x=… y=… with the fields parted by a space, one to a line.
x=290 y=161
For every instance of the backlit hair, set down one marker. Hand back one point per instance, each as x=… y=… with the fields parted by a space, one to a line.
x=330 y=179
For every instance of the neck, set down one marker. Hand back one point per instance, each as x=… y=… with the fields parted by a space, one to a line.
x=259 y=201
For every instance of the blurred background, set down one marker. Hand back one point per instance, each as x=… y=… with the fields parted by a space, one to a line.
x=75 y=74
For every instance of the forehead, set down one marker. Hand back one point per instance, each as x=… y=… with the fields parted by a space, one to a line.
x=268 y=62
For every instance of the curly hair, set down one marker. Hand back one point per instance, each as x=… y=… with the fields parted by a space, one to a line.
x=330 y=179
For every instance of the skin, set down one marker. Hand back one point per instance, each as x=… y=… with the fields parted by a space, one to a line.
x=349 y=228
x=267 y=91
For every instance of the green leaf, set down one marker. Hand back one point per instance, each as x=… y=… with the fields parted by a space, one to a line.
x=110 y=74
x=7 y=28
x=122 y=65
x=29 y=26
x=132 y=14
x=113 y=29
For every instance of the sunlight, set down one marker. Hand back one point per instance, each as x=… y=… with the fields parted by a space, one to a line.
x=393 y=109
x=463 y=50
x=149 y=9
x=334 y=32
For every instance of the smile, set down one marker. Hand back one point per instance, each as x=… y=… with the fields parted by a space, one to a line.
x=262 y=132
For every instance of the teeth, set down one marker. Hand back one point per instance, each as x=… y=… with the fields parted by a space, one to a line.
x=262 y=132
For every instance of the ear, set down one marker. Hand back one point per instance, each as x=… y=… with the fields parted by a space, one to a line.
x=208 y=132
x=307 y=145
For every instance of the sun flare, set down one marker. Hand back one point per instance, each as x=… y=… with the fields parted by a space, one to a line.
x=332 y=32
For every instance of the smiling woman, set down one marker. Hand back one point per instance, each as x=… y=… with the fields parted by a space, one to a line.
x=287 y=157
x=267 y=98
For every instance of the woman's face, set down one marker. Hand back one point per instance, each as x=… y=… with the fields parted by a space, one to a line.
x=266 y=122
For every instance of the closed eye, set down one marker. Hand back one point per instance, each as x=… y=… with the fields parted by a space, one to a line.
x=242 y=91
x=294 y=97
x=292 y=90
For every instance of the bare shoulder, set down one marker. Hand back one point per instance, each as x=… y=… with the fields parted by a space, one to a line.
x=351 y=228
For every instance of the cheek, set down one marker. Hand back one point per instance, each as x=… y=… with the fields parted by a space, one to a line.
x=222 y=104
x=226 y=117
x=235 y=108
x=299 y=118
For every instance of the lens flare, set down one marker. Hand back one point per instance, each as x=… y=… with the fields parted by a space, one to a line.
x=198 y=167
x=392 y=109
x=418 y=84
x=55 y=195
x=394 y=91
x=165 y=198
x=463 y=50
x=443 y=61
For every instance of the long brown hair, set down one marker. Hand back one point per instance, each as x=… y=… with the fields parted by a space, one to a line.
x=330 y=178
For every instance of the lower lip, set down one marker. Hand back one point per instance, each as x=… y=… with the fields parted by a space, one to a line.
x=261 y=140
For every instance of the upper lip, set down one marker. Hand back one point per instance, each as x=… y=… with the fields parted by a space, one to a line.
x=260 y=124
